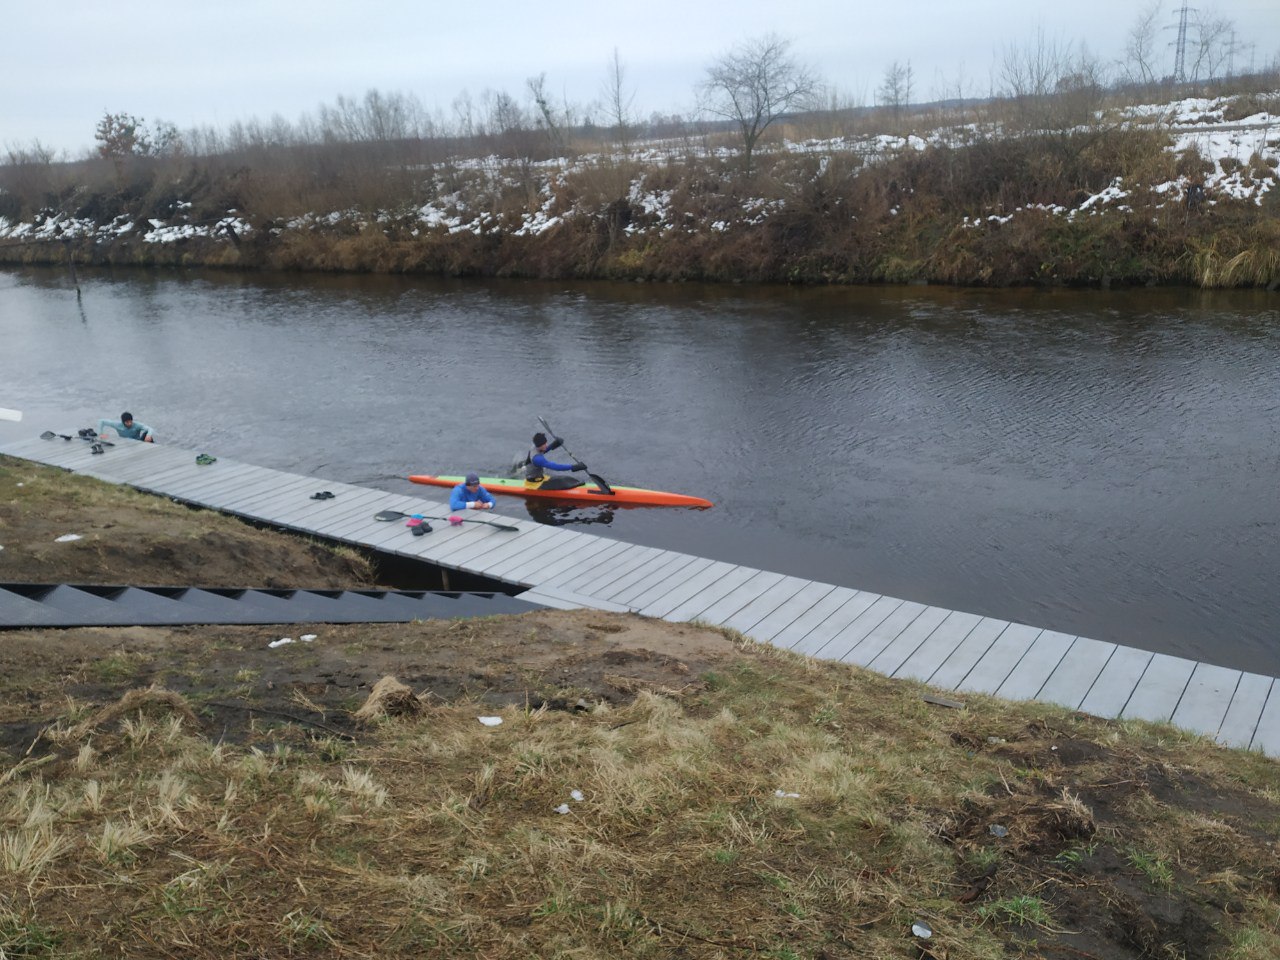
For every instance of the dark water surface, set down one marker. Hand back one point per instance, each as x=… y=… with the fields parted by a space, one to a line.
x=1100 y=463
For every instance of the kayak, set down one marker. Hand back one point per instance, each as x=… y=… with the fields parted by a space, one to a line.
x=587 y=493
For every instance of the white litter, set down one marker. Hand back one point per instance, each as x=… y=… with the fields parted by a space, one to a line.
x=307 y=637
x=21 y=484
x=490 y=721
x=563 y=808
x=575 y=795
x=779 y=793
x=281 y=642
x=67 y=538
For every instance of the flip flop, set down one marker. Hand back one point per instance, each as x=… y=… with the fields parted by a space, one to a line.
x=323 y=495
x=96 y=448
x=203 y=459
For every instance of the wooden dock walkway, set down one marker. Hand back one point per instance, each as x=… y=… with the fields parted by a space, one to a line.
x=566 y=569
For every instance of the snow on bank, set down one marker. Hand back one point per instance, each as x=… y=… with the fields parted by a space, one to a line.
x=1244 y=155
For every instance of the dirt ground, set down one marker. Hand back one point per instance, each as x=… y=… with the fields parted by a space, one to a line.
x=241 y=686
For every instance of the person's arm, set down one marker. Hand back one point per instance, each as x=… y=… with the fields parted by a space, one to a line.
x=541 y=461
x=115 y=425
x=555 y=444
x=147 y=433
x=458 y=499
x=486 y=497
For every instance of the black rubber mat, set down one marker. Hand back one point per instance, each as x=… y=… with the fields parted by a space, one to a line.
x=67 y=605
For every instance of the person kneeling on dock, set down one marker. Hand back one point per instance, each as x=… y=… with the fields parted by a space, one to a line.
x=469 y=495
x=129 y=428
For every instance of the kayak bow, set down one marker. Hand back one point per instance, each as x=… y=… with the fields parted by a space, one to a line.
x=587 y=493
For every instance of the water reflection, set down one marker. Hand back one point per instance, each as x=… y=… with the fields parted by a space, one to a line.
x=570 y=514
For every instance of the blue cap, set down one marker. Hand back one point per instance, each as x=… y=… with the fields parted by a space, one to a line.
x=472 y=479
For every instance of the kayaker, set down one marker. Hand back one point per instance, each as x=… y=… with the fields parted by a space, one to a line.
x=129 y=428
x=537 y=463
x=469 y=495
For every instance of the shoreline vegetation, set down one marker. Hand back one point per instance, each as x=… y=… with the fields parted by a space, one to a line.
x=653 y=789
x=1080 y=187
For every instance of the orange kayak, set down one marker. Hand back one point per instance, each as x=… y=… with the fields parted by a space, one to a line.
x=587 y=493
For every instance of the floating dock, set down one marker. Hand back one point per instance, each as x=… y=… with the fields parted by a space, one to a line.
x=563 y=568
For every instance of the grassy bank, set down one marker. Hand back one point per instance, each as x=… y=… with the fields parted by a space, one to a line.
x=653 y=790
x=986 y=202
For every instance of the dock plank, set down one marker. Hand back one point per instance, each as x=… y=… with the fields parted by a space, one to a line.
x=1157 y=693
x=686 y=589
x=733 y=601
x=1116 y=683
x=1077 y=672
x=640 y=597
x=839 y=642
x=1206 y=699
x=1036 y=666
x=920 y=660
x=900 y=623
x=855 y=606
x=769 y=626
x=967 y=652
x=1245 y=710
x=1000 y=659
x=721 y=587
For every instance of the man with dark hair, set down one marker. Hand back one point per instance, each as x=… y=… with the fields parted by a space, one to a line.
x=129 y=428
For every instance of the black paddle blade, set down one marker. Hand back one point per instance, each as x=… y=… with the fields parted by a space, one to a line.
x=599 y=482
x=389 y=515
x=48 y=435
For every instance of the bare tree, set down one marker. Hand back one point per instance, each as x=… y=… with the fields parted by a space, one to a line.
x=754 y=84
x=895 y=88
x=546 y=113
x=1215 y=37
x=1139 y=45
x=618 y=99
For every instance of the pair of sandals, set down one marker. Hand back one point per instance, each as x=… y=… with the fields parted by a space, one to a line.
x=418 y=526
x=323 y=495
x=96 y=448
x=204 y=459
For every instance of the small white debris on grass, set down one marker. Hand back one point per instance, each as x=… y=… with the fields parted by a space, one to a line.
x=781 y=793
x=490 y=721
x=563 y=808
x=307 y=637
x=21 y=484
x=281 y=642
x=67 y=538
x=575 y=795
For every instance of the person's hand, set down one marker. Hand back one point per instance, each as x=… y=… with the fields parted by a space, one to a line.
x=148 y=439
x=486 y=506
x=578 y=465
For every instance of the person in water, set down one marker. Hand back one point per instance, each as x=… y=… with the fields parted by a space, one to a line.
x=129 y=428
x=537 y=464
x=469 y=495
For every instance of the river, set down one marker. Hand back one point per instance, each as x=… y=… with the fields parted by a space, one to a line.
x=1102 y=463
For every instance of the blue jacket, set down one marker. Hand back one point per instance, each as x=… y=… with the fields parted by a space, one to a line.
x=136 y=432
x=461 y=496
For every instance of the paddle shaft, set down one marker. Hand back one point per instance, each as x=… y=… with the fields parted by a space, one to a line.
x=599 y=480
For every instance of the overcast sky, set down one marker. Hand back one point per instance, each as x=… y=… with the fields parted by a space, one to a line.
x=215 y=62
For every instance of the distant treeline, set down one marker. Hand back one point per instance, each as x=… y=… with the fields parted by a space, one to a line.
x=986 y=202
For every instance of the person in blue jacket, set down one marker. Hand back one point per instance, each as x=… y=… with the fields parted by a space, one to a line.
x=129 y=428
x=537 y=465
x=469 y=495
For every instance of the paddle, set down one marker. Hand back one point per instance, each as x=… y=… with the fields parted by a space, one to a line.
x=596 y=478
x=49 y=435
x=398 y=515
x=7 y=414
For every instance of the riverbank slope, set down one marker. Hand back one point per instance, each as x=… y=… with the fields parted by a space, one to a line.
x=651 y=789
x=1179 y=193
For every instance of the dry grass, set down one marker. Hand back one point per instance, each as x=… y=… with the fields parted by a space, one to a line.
x=781 y=810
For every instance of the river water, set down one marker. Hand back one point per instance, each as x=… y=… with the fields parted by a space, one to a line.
x=1102 y=463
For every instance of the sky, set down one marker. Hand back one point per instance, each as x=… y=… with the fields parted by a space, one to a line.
x=214 y=63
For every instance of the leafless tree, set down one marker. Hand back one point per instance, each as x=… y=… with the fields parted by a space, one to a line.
x=896 y=87
x=1138 y=65
x=754 y=84
x=546 y=114
x=1051 y=86
x=1214 y=45
x=618 y=99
